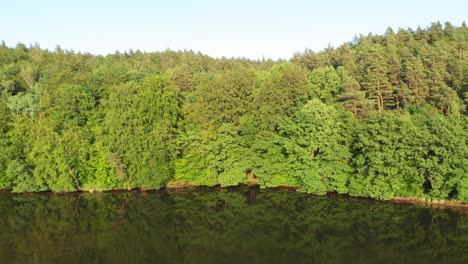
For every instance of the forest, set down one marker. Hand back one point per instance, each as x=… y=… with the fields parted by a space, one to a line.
x=381 y=116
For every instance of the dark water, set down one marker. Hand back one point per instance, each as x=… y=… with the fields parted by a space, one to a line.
x=225 y=226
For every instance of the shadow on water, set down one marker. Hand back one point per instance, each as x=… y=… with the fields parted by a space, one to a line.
x=235 y=225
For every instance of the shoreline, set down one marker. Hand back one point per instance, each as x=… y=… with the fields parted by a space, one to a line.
x=396 y=200
x=428 y=202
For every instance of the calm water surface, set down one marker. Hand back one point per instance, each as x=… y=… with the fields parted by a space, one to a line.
x=237 y=225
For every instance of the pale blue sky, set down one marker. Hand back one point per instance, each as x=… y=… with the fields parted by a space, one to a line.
x=241 y=28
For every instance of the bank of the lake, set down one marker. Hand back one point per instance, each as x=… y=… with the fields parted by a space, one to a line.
x=182 y=187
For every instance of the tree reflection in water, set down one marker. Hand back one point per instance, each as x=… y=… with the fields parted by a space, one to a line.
x=238 y=225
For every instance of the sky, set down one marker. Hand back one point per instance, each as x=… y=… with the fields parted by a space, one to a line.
x=241 y=28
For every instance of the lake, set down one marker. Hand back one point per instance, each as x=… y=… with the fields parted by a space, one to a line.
x=234 y=225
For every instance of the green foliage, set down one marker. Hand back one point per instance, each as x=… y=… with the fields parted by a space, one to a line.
x=354 y=98
x=5 y=155
x=325 y=84
x=317 y=141
x=384 y=158
x=220 y=98
x=144 y=120
x=445 y=156
x=140 y=128
x=278 y=94
x=24 y=104
x=22 y=178
x=229 y=156
x=217 y=159
x=269 y=161
x=103 y=170
x=419 y=155
x=54 y=156
x=194 y=166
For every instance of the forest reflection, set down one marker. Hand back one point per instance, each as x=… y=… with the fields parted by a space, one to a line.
x=238 y=225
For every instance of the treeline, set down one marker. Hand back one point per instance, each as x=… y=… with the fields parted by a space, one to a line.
x=381 y=116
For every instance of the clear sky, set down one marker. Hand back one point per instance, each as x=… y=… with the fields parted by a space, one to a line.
x=239 y=28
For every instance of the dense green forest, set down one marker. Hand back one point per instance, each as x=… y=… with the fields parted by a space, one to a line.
x=380 y=116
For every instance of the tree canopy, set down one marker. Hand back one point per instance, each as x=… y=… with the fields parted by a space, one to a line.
x=380 y=116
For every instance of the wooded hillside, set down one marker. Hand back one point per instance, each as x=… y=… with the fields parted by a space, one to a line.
x=380 y=116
